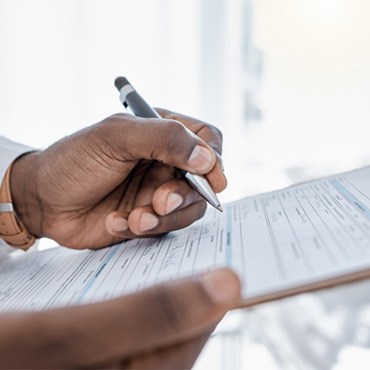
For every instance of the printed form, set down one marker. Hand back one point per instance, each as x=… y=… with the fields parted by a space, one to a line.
x=276 y=241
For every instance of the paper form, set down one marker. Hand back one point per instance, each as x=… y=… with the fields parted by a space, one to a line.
x=275 y=241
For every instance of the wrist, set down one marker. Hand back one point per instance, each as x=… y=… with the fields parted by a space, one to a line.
x=23 y=189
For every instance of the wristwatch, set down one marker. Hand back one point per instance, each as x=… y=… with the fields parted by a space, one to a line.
x=12 y=230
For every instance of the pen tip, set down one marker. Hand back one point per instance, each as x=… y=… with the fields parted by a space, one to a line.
x=220 y=208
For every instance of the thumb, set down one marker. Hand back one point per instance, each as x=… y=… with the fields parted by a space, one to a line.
x=164 y=140
x=153 y=318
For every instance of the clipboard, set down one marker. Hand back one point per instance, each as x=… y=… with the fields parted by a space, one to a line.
x=303 y=238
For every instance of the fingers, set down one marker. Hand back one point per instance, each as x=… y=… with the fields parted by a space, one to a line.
x=167 y=141
x=174 y=205
x=143 y=221
x=178 y=194
x=216 y=177
x=209 y=133
x=174 y=195
x=212 y=136
x=139 y=323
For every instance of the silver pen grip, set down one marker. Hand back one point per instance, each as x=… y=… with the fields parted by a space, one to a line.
x=201 y=185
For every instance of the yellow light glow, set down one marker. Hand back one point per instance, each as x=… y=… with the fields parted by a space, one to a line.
x=315 y=35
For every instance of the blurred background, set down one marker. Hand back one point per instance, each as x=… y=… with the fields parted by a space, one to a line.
x=288 y=83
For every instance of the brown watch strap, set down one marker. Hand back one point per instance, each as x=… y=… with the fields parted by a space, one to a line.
x=12 y=229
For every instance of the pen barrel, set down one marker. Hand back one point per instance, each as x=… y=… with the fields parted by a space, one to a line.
x=130 y=98
x=140 y=107
x=201 y=185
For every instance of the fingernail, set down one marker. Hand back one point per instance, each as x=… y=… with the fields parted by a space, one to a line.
x=201 y=159
x=148 y=221
x=173 y=201
x=119 y=224
x=222 y=286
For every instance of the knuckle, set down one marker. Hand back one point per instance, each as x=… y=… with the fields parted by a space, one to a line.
x=175 y=128
x=108 y=126
x=218 y=139
x=165 y=113
x=174 y=140
x=117 y=123
x=117 y=129
x=213 y=136
x=117 y=117
x=217 y=132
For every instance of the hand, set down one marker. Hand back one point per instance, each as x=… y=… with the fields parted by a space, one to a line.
x=164 y=327
x=117 y=180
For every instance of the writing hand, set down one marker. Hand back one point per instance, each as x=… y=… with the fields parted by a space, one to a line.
x=117 y=180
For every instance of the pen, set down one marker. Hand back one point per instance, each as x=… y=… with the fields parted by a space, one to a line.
x=130 y=98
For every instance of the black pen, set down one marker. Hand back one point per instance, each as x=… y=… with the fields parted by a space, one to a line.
x=130 y=98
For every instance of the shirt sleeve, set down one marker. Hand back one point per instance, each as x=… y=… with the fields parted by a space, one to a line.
x=9 y=151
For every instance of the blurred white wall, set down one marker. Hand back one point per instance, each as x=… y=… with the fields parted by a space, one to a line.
x=288 y=82
x=59 y=60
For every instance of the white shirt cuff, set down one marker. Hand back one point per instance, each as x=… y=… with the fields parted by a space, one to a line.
x=9 y=151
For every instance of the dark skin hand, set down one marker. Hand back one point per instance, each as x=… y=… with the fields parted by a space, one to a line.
x=163 y=327
x=116 y=180
x=109 y=182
